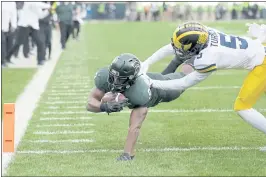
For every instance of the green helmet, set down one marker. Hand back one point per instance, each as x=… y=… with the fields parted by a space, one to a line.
x=123 y=72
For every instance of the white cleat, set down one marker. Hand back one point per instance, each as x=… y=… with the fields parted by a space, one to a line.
x=263 y=149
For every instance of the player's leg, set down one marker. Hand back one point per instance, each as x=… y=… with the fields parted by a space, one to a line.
x=252 y=89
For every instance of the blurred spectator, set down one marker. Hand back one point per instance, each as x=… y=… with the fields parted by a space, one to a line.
x=77 y=19
x=29 y=21
x=9 y=25
x=65 y=17
x=146 y=12
x=155 y=11
x=111 y=11
x=101 y=10
x=188 y=12
x=46 y=31
x=200 y=12
x=234 y=12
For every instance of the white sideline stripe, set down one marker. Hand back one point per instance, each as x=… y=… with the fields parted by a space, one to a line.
x=64 y=125
x=61 y=132
x=172 y=149
x=151 y=111
x=62 y=141
x=27 y=101
x=64 y=118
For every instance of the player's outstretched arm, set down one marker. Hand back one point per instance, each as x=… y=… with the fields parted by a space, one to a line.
x=137 y=117
x=163 y=52
x=181 y=84
x=94 y=100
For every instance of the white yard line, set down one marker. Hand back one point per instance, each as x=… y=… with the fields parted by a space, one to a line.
x=71 y=91
x=64 y=125
x=65 y=102
x=151 y=111
x=27 y=101
x=67 y=94
x=61 y=132
x=66 y=98
x=62 y=141
x=64 y=118
x=62 y=87
x=172 y=149
x=214 y=87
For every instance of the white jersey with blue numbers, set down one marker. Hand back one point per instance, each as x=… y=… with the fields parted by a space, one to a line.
x=229 y=52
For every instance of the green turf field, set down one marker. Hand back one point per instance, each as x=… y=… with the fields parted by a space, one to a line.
x=62 y=139
x=13 y=83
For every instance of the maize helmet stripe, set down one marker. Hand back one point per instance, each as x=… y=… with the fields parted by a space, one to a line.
x=178 y=38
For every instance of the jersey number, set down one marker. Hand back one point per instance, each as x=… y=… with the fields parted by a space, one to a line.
x=243 y=44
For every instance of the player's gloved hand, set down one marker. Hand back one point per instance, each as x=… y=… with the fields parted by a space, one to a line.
x=110 y=107
x=125 y=157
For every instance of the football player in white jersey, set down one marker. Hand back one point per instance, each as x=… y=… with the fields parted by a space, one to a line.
x=214 y=50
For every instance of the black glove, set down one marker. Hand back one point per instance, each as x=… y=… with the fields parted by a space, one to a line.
x=125 y=157
x=112 y=106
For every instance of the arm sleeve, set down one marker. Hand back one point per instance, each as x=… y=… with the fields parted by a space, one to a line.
x=181 y=84
x=14 y=16
x=163 y=52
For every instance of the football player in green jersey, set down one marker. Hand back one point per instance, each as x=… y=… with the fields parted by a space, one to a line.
x=124 y=76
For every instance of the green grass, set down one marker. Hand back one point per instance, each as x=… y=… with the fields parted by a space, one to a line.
x=13 y=83
x=97 y=47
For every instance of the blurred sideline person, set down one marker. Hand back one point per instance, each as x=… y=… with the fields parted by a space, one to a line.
x=76 y=21
x=9 y=25
x=29 y=21
x=214 y=52
x=123 y=76
x=65 y=18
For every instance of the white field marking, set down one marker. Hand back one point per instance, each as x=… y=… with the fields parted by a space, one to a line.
x=151 y=111
x=172 y=149
x=214 y=87
x=68 y=94
x=67 y=98
x=27 y=101
x=64 y=118
x=71 y=91
x=73 y=84
x=61 y=132
x=64 y=125
x=65 y=102
x=70 y=87
x=66 y=107
x=62 y=141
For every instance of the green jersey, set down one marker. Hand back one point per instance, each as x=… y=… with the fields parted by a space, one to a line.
x=140 y=94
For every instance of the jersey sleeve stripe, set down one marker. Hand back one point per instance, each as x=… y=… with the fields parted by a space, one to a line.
x=207 y=69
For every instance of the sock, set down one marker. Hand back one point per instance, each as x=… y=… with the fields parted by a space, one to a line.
x=172 y=66
x=254 y=118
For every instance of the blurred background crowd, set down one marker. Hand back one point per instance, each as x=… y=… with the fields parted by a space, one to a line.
x=30 y=24
x=172 y=11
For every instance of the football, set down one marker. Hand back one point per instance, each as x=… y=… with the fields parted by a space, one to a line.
x=109 y=96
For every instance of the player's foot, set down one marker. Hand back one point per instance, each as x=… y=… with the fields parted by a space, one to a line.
x=125 y=157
